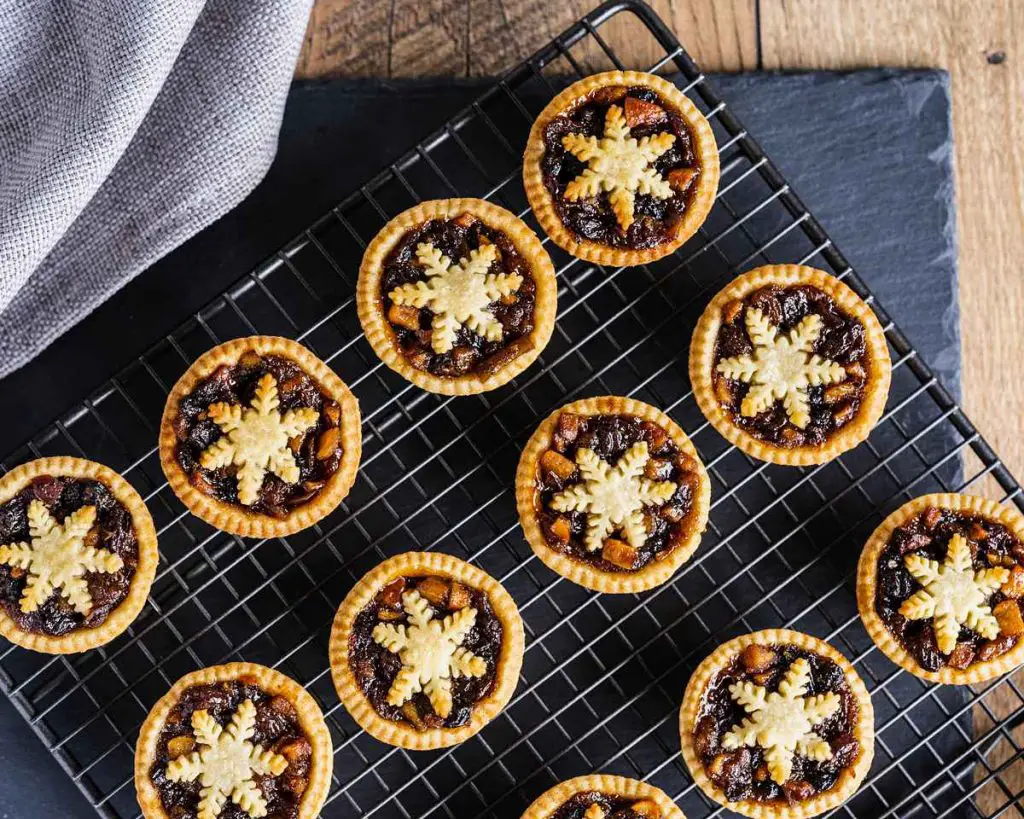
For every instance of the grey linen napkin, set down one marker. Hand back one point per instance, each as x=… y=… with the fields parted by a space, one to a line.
x=126 y=126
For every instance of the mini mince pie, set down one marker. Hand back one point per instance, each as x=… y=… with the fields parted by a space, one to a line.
x=457 y=295
x=426 y=650
x=603 y=796
x=611 y=494
x=235 y=741
x=78 y=554
x=621 y=168
x=777 y=724
x=790 y=365
x=259 y=437
x=940 y=585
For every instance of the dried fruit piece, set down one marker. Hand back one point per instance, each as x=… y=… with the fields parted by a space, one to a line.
x=646 y=808
x=391 y=594
x=732 y=311
x=290 y=384
x=641 y=112
x=333 y=412
x=330 y=440
x=723 y=392
x=619 y=553
x=991 y=649
x=463 y=357
x=405 y=316
x=179 y=746
x=844 y=414
x=566 y=430
x=961 y=656
x=296 y=750
x=410 y=713
x=435 y=590
x=673 y=514
x=607 y=94
x=931 y=517
x=464 y=220
x=560 y=529
x=1007 y=612
x=799 y=790
x=459 y=597
x=681 y=178
x=855 y=371
x=283 y=706
x=249 y=358
x=757 y=658
x=1014 y=586
x=657 y=469
x=834 y=393
x=388 y=615
x=977 y=531
x=557 y=464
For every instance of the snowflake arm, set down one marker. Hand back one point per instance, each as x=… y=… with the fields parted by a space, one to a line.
x=406 y=683
x=759 y=398
x=814 y=747
x=947 y=629
x=584 y=186
x=266 y=762
x=456 y=626
x=439 y=692
x=584 y=148
x=739 y=368
x=431 y=257
x=16 y=554
x=480 y=261
x=249 y=798
x=982 y=621
x=297 y=421
x=37 y=590
x=652 y=184
x=185 y=768
x=592 y=468
x=266 y=399
x=465 y=663
x=78 y=523
x=743 y=734
x=484 y=324
x=227 y=417
x=922 y=569
x=282 y=463
x=418 y=609
x=806 y=333
x=40 y=521
x=599 y=527
x=821 y=706
x=623 y=204
x=573 y=499
x=250 y=478
x=413 y=294
x=798 y=408
x=779 y=760
x=796 y=679
x=652 y=147
x=445 y=328
x=76 y=591
x=761 y=331
x=989 y=580
x=219 y=454
x=393 y=638
x=212 y=800
x=919 y=606
x=750 y=697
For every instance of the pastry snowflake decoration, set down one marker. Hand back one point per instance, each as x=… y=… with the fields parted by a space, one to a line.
x=613 y=497
x=618 y=164
x=256 y=439
x=57 y=559
x=458 y=294
x=782 y=367
x=782 y=722
x=954 y=594
x=431 y=653
x=226 y=763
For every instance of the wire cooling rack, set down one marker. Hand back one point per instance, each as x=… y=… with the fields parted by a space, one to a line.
x=603 y=675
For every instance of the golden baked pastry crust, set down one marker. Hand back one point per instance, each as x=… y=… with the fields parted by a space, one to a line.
x=654 y=573
x=867 y=586
x=864 y=730
x=420 y=564
x=382 y=336
x=551 y=800
x=701 y=199
x=121 y=617
x=311 y=720
x=876 y=386
x=235 y=518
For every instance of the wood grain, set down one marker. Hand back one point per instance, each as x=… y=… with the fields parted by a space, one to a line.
x=976 y=42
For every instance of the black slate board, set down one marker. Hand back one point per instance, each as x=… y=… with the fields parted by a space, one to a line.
x=869 y=152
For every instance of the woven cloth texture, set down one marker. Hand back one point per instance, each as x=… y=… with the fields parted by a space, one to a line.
x=126 y=126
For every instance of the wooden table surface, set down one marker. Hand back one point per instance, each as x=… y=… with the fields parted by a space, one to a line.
x=975 y=41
